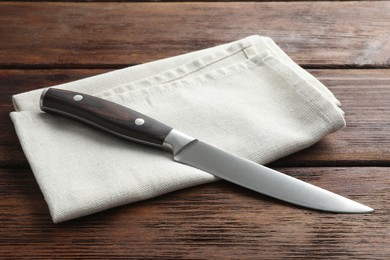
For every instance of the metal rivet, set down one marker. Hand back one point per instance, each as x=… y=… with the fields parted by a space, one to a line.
x=139 y=121
x=77 y=97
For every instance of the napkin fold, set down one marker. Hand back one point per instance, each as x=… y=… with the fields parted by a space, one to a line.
x=246 y=97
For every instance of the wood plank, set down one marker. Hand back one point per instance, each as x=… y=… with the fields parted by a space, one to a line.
x=117 y=34
x=363 y=93
x=218 y=220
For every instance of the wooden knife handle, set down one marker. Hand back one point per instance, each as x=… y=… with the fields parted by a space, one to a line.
x=109 y=116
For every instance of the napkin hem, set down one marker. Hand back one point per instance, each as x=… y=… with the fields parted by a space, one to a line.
x=182 y=71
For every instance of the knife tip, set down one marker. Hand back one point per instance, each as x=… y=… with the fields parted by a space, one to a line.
x=360 y=208
x=367 y=209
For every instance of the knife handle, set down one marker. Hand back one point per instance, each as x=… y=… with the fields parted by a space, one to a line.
x=109 y=116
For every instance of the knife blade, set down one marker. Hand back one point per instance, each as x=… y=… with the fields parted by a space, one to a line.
x=132 y=125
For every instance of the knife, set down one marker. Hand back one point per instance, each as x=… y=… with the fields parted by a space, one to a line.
x=132 y=125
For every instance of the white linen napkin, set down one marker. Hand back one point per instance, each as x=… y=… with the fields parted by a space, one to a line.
x=246 y=97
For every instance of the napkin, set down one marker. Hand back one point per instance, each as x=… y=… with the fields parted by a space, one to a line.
x=246 y=97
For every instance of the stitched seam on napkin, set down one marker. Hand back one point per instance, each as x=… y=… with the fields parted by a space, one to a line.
x=327 y=109
x=282 y=56
x=182 y=71
x=243 y=49
x=167 y=76
x=158 y=89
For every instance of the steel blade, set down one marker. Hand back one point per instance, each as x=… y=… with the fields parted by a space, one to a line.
x=264 y=180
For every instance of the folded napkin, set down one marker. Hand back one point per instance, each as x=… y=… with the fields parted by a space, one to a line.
x=246 y=97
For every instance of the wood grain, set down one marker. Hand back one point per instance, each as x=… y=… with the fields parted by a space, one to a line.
x=363 y=93
x=345 y=43
x=214 y=221
x=315 y=34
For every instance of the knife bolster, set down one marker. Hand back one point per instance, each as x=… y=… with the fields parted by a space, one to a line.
x=106 y=115
x=176 y=140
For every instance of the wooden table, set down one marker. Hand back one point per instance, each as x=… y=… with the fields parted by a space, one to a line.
x=344 y=44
